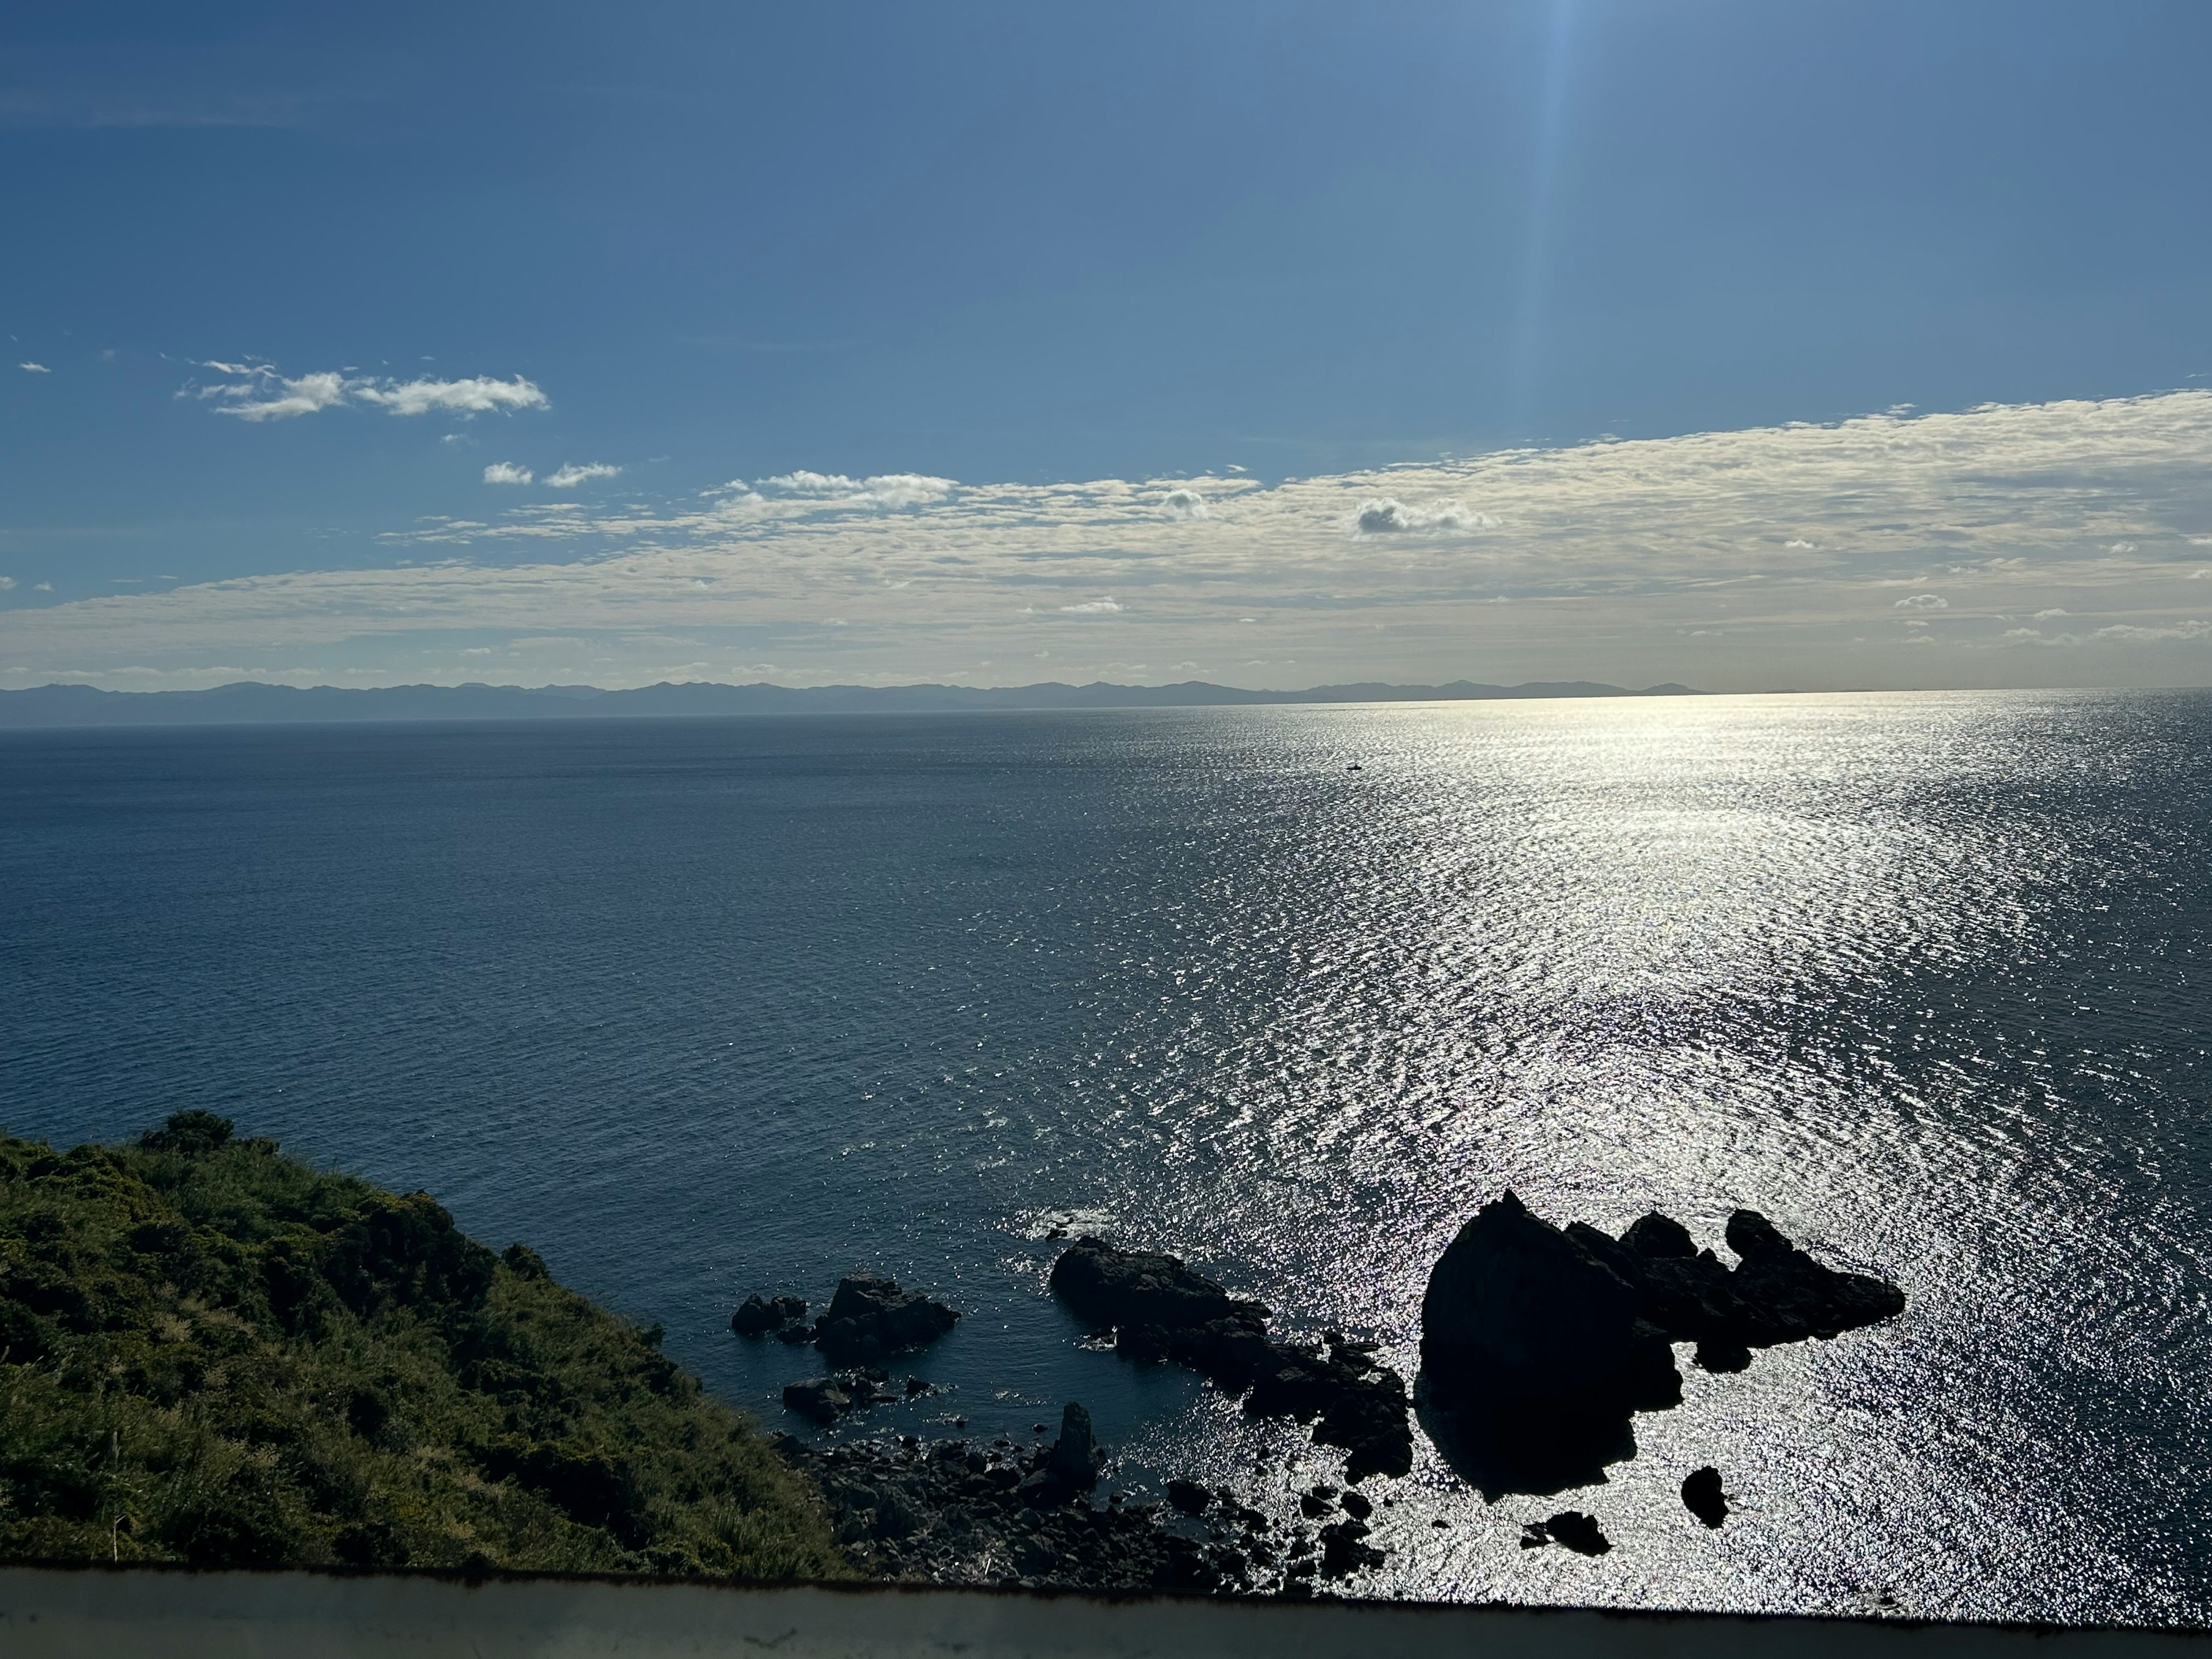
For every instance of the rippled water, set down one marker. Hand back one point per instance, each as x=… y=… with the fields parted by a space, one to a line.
x=700 y=1008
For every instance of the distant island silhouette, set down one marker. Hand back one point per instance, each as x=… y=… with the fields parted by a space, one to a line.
x=253 y=702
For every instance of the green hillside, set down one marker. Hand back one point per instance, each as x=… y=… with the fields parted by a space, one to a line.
x=211 y=1352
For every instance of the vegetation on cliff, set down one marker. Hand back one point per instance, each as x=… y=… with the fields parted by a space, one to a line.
x=212 y=1352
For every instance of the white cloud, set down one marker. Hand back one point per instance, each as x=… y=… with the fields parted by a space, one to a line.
x=42 y=587
x=477 y=396
x=1924 y=602
x=2122 y=547
x=2046 y=616
x=2127 y=634
x=887 y=490
x=257 y=392
x=1386 y=515
x=6 y=583
x=1183 y=504
x=1799 y=544
x=34 y=369
x=572 y=475
x=283 y=399
x=507 y=473
x=1092 y=607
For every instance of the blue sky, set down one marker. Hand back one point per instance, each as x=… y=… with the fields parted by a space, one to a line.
x=1543 y=308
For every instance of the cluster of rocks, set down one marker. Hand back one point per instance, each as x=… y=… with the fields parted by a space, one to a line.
x=823 y=1400
x=869 y=1320
x=962 y=1514
x=1158 y=1309
x=1538 y=1344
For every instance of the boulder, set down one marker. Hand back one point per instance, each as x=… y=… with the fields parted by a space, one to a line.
x=1117 y=1288
x=1703 y=1497
x=759 y=1316
x=1075 y=1455
x=871 y=1318
x=1069 y=1467
x=819 y=1398
x=1578 y=1532
x=1189 y=1496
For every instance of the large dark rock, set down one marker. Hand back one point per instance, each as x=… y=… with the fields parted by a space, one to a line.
x=1538 y=1344
x=1160 y=1310
x=1703 y=1497
x=1534 y=1334
x=871 y=1318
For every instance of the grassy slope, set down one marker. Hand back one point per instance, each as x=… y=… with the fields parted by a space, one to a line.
x=212 y=1352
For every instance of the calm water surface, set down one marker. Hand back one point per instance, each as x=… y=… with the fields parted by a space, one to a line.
x=701 y=1008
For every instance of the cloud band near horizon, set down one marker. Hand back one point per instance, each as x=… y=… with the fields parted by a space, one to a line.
x=2063 y=543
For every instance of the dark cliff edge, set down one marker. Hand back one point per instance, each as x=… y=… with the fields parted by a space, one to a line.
x=252 y=703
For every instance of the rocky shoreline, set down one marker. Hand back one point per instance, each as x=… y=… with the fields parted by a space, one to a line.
x=957 y=1512
x=1539 y=1346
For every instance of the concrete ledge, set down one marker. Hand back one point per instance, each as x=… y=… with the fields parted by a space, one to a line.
x=47 y=1612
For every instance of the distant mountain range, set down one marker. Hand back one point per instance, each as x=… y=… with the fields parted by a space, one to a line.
x=248 y=702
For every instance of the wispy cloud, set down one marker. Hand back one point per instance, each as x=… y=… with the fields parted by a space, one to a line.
x=257 y=391
x=34 y=369
x=572 y=475
x=889 y=489
x=479 y=396
x=507 y=473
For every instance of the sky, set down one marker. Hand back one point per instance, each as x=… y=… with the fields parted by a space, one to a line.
x=1748 y=345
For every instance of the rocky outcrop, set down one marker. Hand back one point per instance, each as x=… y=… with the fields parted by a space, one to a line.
x=870 y=1319
x=960 y=1514
x=1538 y=1344
x=1158 y=1309
x=1070 y=1466
x=1517 y=1309
x=757 y=1315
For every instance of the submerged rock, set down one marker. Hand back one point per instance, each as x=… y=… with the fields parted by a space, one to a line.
x=1703 y=1497
x=1159 y=1310
x=871 y=1318
x=823 y=1400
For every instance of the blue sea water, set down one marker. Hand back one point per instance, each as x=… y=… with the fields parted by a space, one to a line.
x=699 y=1008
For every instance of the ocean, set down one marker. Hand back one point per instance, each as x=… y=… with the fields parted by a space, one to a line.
x=704 y=1007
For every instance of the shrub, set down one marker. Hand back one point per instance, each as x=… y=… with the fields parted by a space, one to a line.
x=211 y=1352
